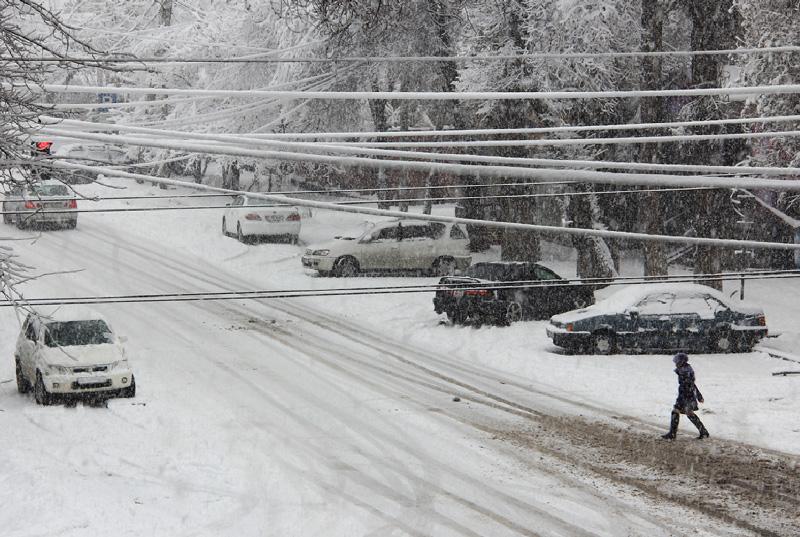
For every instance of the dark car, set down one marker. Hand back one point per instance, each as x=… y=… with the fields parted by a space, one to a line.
x=504 y=292
x=660 y=317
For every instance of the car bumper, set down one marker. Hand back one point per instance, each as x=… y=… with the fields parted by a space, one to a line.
x=314 y=262
x=254 y=227
x=88 y=383
x=48 y=218
x=566 y=339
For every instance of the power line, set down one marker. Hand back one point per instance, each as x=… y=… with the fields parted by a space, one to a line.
x=505 y=172
x=420 y=96
x=357 y=202
x=369 y=149
x=306 y=293
x=468 y=221
x=467 y=132
x=349 y=148
x=405 y=59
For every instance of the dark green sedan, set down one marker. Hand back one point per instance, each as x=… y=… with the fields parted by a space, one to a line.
x=660 y=317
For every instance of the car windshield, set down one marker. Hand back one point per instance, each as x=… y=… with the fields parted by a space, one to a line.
x=49 y=190
x=71 y=333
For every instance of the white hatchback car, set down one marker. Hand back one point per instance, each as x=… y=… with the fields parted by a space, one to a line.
x=246 y=218
x=71 y=351
x=410 y=245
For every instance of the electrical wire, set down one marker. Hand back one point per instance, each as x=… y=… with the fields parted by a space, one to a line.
x=622 y=235
x=357 y=202
x=419 y=95
x=404 y=59
x=377 y=290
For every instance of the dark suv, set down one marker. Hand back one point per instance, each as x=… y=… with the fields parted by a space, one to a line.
x=504 y=292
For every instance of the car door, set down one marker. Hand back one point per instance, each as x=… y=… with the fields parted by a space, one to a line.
x=416 y=247
x=653 y=326
x=382 y=250
x=692 y=314
x=28 y=346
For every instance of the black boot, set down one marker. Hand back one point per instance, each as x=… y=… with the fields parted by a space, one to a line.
x=700 y=427
x=673 y=427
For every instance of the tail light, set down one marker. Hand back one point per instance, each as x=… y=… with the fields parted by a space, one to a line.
x=569 y=327
x=479 y=292
x=762 y=320
x=72 y=204
x=294 y=217
x=252 y=216
x=31 y=205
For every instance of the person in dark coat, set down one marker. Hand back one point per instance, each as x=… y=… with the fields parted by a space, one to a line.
x=688 y=397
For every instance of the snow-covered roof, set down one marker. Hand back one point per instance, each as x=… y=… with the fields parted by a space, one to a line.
x=69 y=313
x=631 y=294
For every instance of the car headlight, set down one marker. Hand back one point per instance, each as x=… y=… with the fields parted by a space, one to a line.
x=122 y=364
x=321 y=253
x=51 y=369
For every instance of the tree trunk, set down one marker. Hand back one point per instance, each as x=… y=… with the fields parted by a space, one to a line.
x=428 y=207
x=652 y=110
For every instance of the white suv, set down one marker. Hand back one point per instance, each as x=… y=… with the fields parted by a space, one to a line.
x=71 y=351
x=411 y=245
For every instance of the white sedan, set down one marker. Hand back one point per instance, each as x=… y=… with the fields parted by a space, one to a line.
x=246 y=218
x=69 y=352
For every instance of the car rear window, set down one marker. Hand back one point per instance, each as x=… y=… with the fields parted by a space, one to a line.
x=49 y=190
x=71 y=333
x=499 y=272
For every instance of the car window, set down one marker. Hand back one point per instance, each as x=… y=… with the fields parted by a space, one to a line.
x=714 y=304
x=457 y=233
x=656 y=304
x=437 y=230
x=387 y=233
x=239 y=201
x=416 y=232
x=70 y=333
x=30 y=332
x=542 y=273
x=48 y=190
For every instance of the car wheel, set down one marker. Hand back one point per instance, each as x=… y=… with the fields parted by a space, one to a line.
x=239 y=235
x=23 y=386
x=72 y=224
x=603 y=343
x=20 y=221
x=6 y=217
x=513 y=313
x=224 y=228
x=130 y=391
x=456 y=317
x=346 y=267
x=444 y=266
x=723 y=341
x=40 y=393
x=294 y=239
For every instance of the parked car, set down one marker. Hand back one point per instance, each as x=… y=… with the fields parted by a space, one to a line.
x=407 y=245
x=505 y=292
x=40 y=203
x=69 y=352
x=247 y=218
x=660 y=317
x=90 y=155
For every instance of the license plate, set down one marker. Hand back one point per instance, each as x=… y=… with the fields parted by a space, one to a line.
x=274 y=218
x=91 y=381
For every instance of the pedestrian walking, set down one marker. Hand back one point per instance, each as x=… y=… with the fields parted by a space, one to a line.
x=688 y=397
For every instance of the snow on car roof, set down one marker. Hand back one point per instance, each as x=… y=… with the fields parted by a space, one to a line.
x=69 y=313
x=630 y=295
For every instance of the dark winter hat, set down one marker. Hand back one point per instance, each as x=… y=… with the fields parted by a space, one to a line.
x=680 y=358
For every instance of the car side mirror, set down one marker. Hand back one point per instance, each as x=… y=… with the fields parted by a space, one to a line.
x=633 y=313
x=227 y=205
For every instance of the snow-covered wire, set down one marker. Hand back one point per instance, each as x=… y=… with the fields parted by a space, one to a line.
x=405 y=59
x=488 y=159
x=507 y=172
x=378 y=290
x=622 y=235
x=419 y=95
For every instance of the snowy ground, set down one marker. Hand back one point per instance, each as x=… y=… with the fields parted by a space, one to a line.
x=336 y=416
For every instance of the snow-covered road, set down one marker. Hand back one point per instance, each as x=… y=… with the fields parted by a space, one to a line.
x=286 y=418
